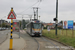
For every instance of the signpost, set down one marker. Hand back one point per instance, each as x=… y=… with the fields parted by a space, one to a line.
x=48 y=28
x=65 y=25
x=68 y=24
x=11 y=16
x=16 y=27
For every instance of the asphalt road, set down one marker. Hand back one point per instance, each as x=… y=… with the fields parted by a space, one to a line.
x=43 y=43
x=3 y=35
x=30 y=42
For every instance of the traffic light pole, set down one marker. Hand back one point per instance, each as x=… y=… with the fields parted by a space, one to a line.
x=56 y=15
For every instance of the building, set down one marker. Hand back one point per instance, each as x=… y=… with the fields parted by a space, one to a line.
x=4 y=21
x=52 y=25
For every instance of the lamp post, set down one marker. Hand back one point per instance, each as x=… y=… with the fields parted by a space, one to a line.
x=22 y=23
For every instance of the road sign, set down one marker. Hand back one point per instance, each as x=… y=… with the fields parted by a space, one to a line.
x=12 y=15
x=48 y=28
x=16 y=26
x=15 y=23
x=70 y=24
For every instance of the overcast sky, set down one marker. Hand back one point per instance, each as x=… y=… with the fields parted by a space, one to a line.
x=47 y=9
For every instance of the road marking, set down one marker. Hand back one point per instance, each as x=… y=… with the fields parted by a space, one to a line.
x=22 y=31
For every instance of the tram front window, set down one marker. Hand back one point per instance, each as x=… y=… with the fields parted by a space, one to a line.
x=36 y=25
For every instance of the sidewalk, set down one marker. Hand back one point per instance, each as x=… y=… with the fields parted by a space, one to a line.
x=18 y=43
x=3 y=37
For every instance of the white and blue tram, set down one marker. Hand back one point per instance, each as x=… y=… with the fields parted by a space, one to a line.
x=34 y=28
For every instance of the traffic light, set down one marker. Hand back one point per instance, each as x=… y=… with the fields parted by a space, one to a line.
x=55 y=19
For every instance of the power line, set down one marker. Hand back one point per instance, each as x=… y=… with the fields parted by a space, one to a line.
x=33 y=5
x=29 y=7
x=39 y=4
x=39 y=0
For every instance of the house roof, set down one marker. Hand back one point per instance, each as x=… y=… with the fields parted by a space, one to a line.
x=74 y=24
x=49 y=24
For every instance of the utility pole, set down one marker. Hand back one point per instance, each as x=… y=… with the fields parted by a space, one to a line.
x=37 y=12
x=30 y=17
x=22 y=23
x=56 y=15
x=35 y=8
x=25 y=17
x=34 y=12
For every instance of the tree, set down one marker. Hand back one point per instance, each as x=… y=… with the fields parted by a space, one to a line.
x=3 y=25
x=20 y=23
x=24 y=24
x=61 y=22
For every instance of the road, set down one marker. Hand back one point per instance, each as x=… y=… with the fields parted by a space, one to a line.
x=41 y=43
x=3 y=35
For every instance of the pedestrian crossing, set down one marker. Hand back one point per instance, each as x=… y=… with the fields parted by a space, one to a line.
x=22 y=31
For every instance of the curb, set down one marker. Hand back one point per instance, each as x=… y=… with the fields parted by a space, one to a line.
x=4 y=39
x=60 y=42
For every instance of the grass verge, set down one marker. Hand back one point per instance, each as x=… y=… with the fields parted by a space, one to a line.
x=62 y=38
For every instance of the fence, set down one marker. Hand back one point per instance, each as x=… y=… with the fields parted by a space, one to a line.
x=61 y=32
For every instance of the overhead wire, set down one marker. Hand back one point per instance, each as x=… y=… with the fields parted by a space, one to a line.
x=29 y=7
x=32 y=6
x=39 y=2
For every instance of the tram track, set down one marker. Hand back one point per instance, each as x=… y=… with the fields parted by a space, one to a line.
x=51 y=43
x=70 y=47
x=44 y=41
x=47 y=42
x=38 y=44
